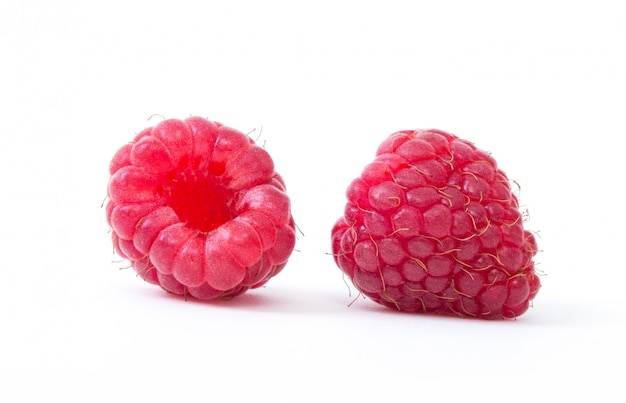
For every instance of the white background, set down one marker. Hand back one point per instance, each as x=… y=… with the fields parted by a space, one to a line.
x=539 y=84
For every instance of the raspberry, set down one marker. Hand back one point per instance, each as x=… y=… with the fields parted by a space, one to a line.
x=432 y=225
x=197 y=209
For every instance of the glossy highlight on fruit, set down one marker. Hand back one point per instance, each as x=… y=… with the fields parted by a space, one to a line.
x=432 y=226
x=197 y=208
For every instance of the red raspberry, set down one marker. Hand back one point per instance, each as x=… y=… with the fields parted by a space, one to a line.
x=197 y=208
x=431 y=225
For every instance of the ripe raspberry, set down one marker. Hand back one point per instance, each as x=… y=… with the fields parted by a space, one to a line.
x=197 y=208
x=431 y=225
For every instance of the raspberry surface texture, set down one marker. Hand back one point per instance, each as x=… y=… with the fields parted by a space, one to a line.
x=197 y=208
x=432 y=226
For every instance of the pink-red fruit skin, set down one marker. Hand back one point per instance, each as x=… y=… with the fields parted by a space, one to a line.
x=432 y=226
x=197 y=208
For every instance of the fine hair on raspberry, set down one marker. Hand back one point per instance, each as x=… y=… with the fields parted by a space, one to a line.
x=432 y=226
x=197 y=209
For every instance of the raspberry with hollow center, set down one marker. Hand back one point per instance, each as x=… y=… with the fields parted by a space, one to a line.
x=432 y=226
x=197 y=208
